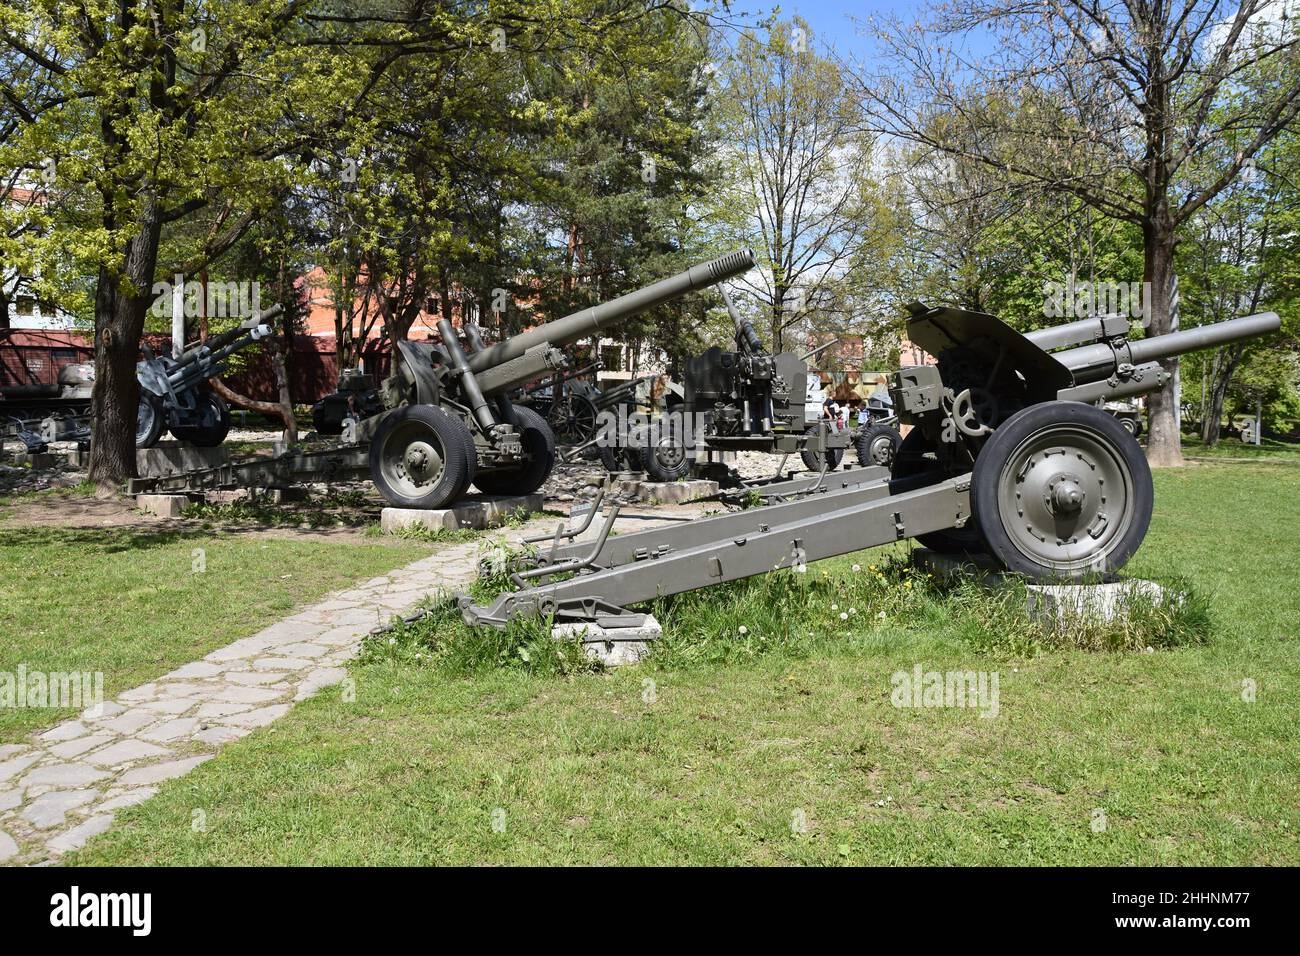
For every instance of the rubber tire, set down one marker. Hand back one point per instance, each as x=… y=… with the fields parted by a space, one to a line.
x=609 y=458
x=149 y=438
x=909 y=461
x=619 y=460
x=811 y=460
x=452 y=434
x=539 y=444
x=867 y=437
x=1132 y=425
x=207 y=436
x=993 y=459
x=658 y=470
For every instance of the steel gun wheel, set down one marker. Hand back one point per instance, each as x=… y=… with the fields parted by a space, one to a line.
x=621 y=459
x=422 y=457
x=573 y=419
x=214 y=415
x=1062 y=491
x=877 y=445
x=523 y=479
x=149 y=423
x=812 y=460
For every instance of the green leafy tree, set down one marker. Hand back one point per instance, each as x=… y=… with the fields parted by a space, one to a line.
x=1116 y=102
x=801 y=173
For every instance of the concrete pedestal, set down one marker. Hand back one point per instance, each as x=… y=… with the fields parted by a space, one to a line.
x=488 y=511
x=173 y=458
x=1064 y=603
x=1105 y=600
x=668 y=492
x=612 y=646
x=164 y=506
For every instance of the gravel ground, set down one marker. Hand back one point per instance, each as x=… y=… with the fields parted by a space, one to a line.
x=16 y=479
x=575 y=481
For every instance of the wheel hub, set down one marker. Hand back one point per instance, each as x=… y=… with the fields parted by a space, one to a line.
x=881 y=450
x=1065 y=498
x=1065 y=495
x=412 y=459
x=421 y=462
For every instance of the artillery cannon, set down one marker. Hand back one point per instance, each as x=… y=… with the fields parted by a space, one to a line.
x=172 y=392
x=450 y=422
x=172 y=395
x=1007 y=456
x=746 y=399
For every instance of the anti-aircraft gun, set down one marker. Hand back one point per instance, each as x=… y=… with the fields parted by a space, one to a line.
x=450 y=422
x=1007 y=455
x=748 y=399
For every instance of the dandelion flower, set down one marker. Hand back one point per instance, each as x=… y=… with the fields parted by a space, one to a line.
x=743 y=630
x=857 y=567
x=835 y=607
x=843 y=616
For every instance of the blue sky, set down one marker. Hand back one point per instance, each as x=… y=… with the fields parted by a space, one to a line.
x=833 y=22
x=831 y=19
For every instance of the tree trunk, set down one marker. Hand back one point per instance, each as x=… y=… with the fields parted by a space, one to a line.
x=280 y=365
x=119 y=322
x=1164 y=445
x=1225 y=364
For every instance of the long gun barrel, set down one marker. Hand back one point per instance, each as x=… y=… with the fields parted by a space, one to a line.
x=746 y=338
x=222 y=339
x=813 y=353
x=571 y=328
x=1091 y=363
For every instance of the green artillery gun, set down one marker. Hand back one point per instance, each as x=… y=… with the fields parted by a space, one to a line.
x=746 y=399
x=450 y=422
x=750 y=399
x=1007 y=455
x=174 y=394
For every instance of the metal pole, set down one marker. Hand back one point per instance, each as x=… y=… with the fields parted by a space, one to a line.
x=178 y=316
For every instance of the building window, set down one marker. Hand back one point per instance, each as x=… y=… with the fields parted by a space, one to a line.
x=26 y=304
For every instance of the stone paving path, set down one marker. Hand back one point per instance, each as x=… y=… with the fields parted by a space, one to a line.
x=63 y=786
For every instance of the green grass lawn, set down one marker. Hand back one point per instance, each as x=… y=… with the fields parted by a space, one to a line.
x=793 y=752
x=132 y=604
x=1269 y=449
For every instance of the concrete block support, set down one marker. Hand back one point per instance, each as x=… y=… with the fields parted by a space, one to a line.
x=488 y=511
